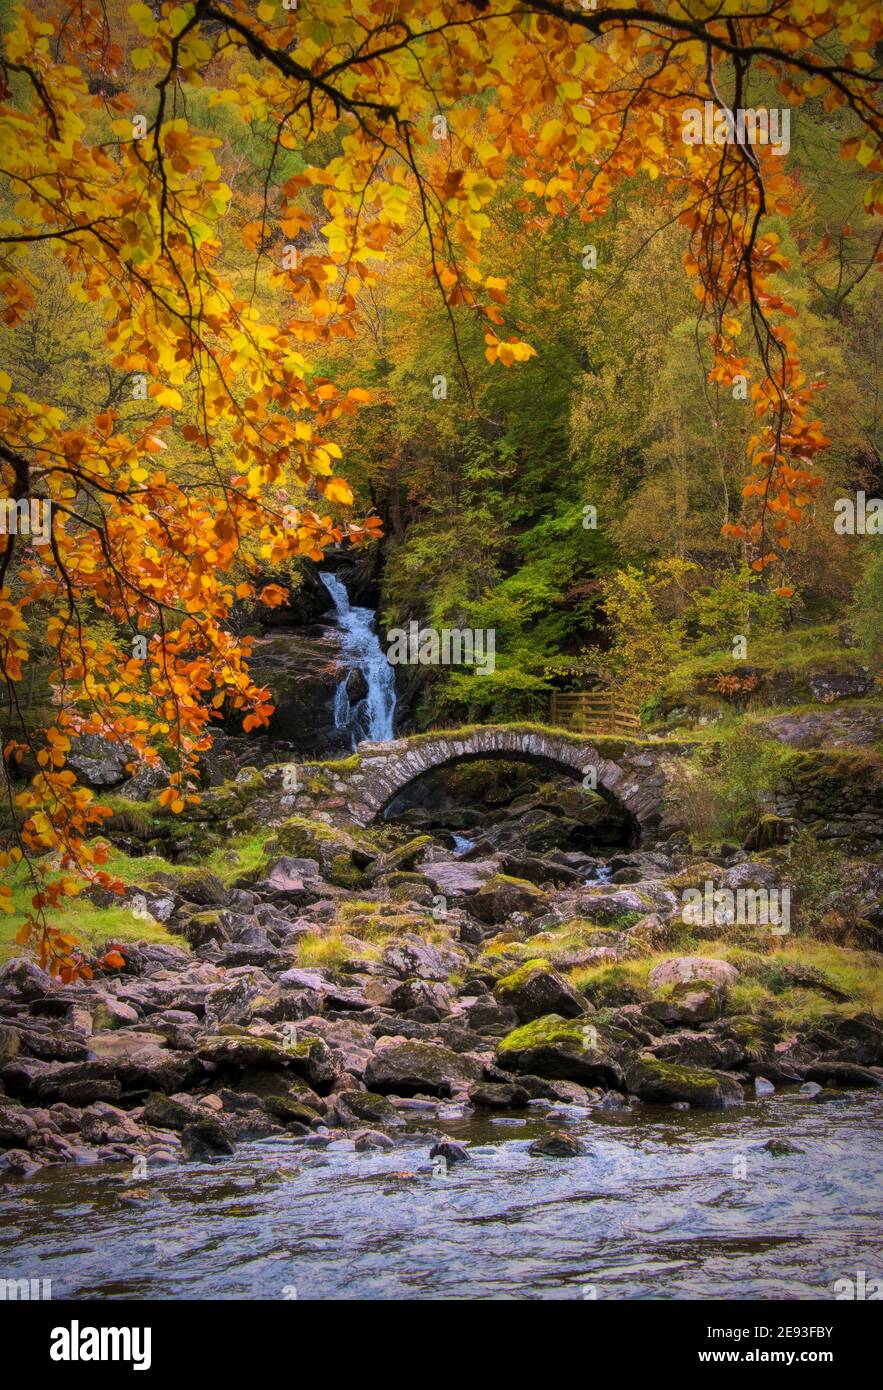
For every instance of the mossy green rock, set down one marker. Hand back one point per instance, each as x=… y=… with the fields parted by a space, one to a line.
x=405 y=857
x=343 y=872
x=290 y=1110
x=502 y=895
x=198 y=886
x=369 y=1107
x=770 y=830
x=562 y=1049
x=300 y=838
x=164 y=1113
x=204 y=927
x=664 y=1083
x=536 y=990
x=689 y=1002
x=309 y=1058
x=556 y=1145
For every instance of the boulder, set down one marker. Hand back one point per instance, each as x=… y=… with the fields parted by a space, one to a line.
x=458 y=879
x=557 y=1145
x=688 y=1002
x=22 y=979
x=410 y=1068
x=665 y=1083
x=405 y=857
x=780 y=1147
x=16 y=1126
x=850 y=684
x=488 y=1014
x=411 y=956
x=691 y=1049
x=164 y=1112
x=367 y=1107
x=501 y=896
x=98 y=762
x=536 y=989
x=498 y=1095
x=843 y=1074
x=562 y=1049
x=205 y=1139
x=356 y=686
x=451 y=1150
x=681 y=969
x=417 y=994
x=109 y=1012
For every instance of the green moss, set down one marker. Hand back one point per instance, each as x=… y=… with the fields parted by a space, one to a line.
x=543 y=1032
x=343 y=872
x=499 y=880
x=338 y=765
x=669 y=1074
x=229 y=862
x=297 y=836
x=520 y=977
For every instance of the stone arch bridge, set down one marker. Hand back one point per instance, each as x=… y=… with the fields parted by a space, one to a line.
x=631 y=773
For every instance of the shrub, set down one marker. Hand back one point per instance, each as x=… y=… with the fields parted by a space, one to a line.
x=724 y=791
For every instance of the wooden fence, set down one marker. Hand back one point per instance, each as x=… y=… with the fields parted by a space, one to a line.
x=593 y=712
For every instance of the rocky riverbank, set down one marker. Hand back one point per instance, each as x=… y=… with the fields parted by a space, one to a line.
x=356 y=982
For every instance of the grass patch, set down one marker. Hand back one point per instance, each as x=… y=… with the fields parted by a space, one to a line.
x=330 y=950
x=92 y=926
x=801 y=650
x=764 y=989
x=230 y=861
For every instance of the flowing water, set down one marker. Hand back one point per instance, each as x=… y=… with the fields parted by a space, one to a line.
x=661 y=1205
x=370 y=718
x=462 y=844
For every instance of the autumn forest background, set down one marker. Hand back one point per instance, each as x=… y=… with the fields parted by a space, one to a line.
x=444 y=286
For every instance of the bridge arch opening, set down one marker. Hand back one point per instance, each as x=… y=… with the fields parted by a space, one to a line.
x=539 y=801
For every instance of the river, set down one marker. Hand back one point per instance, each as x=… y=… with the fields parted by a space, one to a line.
x=661 y=1205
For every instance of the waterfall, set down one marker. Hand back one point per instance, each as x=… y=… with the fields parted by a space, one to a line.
x=371 y=717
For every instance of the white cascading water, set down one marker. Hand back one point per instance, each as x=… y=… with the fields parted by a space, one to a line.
x=372 y=717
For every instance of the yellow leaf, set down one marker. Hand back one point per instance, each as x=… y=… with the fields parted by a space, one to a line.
x=338 y=490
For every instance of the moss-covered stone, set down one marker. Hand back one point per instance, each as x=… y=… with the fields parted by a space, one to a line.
x=666 y=1083
x=521 y=976
x=562 y=1049
x=241 y=1050
x=343 y=872
x=502 y=895
x=543 y=1032
x=536 y=990
x=290 y=1110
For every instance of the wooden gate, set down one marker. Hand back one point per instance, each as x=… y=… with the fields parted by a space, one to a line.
x=592 y=712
